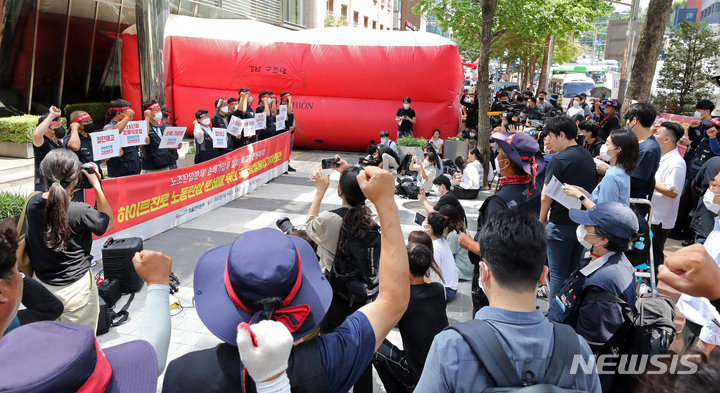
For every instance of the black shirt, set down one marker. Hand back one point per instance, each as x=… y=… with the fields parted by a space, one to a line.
x=424 y=318
x=594 y=147
x=450 y=199
x=703 y=220
x=65 y=267
x=406 y=125
x=574 y=166
x=384 y=149
x=85 y=154
x=611 y=124
x=499 y=106
x=289 y=122
x=642 y=180
x=40 y=153
x=269 y=122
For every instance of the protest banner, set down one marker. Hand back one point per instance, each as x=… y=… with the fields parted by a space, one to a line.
x=235 y=126
x=282 y=110
x=280 y=122
x=134 y=134
x=219 y=138
x=260 y=120
x=248 y=128
x=172 y=137
x=149 y=204
x=105 y=144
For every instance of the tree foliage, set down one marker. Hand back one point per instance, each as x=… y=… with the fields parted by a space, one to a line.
x=686 y=75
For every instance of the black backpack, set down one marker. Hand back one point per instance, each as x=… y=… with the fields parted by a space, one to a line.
x=404 y=165
x=408 y=188
x=354 y=272
x=491 y=355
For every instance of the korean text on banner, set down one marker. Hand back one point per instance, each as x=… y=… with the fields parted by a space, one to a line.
x=134 y=134
x=172 y=138
x=248 y=127
x=260 y=121
x=219 y=138
x=235 y=126
x=282 y=109
x=149 y=204
x=280 y=122
x=105 y=144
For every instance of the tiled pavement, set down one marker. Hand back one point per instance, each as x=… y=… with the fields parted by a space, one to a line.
x=289 y=195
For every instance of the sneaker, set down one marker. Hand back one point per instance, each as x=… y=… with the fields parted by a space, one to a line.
x=291 y=169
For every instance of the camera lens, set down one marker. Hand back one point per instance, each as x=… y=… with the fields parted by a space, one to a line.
x=285 y=225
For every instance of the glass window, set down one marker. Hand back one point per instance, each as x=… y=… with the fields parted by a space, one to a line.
x=80 y=42
x=49 y=55
x=209 y=12
x=186 y=8
x=18 y=24
x=294 y=11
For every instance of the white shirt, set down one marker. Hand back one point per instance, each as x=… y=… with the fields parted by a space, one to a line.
x=431 y=172
x=445 y=259
x=198 y=132
x=671 y=173
x=575 y=110
x=437 y=144
x=698 y=309
x=472 y=176
x=392 y=145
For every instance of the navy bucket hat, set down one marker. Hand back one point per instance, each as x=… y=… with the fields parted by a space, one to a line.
x=263 y=274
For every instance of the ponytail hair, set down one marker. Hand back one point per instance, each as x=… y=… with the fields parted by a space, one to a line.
x=357 y=220
x=60 y=170
x=438 y=223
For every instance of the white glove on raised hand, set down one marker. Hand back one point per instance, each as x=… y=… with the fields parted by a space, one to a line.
x=264 y=348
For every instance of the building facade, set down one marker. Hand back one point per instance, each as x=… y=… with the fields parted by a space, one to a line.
x=367 y=14
x=405 y=19
x=58 y=52
x=709 y=11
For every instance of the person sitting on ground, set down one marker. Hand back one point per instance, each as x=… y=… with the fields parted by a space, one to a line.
x=382 y=156
x=442 y=187
x=69 y=350
x=385 y=140
x=454 y=230
x=59 y=236
x=437 y=142
x=621 y=152
x=587 y=300
x=701 y=317
x=427 y=169
x=435 y=225
x=513 y=265
x=47 y=136
x=467 y=185
x=520 y=184
x=429 y=148
x=293 y=291
x=434 y=274
x=204 y=150
x=425 y=317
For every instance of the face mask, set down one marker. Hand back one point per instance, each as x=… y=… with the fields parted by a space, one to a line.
x=250 y=100
x=426 y=163
x=383 y=140
x=576 y=104
x=472 y=135
x=541 y=98
x=506 y=166
x=224 y=109
x=60 y=132
x=604 y=153
x=406 y=106
x=426 y=227
x=709 y=201
x=697 y=115
x=268 y=100
x=607 y=110
x=580 y=233
x=88 y=128
x=158 y=116
x=205 y=121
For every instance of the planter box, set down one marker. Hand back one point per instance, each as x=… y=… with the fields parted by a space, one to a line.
x=189 y=159
x=452 y=149
x=20 y=150
x=403 y=150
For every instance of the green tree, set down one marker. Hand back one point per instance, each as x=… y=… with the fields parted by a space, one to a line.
x=335 y=21
x=686 y=76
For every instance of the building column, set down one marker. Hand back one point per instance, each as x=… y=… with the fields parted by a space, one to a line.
x=150 y=16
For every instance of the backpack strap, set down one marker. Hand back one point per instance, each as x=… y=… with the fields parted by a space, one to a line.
x=566 y=345
x=341 y=211
x=486 y=347
x=602 y=296
x=123 y=314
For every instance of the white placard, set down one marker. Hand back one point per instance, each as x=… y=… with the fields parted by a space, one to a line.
x=105 y=144
x=554 y=191
x=280 y=122
x=235 y=126
x=134 y=134
x=248 y=127
x=260 y=121
x=282 y=109
x=219 y=138
x=172 y=138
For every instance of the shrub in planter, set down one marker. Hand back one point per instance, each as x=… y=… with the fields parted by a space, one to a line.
x=96 y=110
x=11 y=203
x=411 y=142
x=19 y=129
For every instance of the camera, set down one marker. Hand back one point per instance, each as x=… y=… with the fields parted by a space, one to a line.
x=329 y=163
x=84 y=183
x=285 y=225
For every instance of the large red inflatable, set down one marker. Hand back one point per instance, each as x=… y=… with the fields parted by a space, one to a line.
x=346 y=83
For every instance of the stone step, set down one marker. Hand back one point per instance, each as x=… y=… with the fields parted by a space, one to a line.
x=18 y=180
x=9 y=166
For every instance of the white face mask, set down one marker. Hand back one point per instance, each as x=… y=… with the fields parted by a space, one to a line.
x=607 y=110
x=604 y=153
x=383 y=141
x=158 y=116
x=709 y=201
x=205 y=121
x=426 y=163
x=472 y=135
x=250 y=100
x=224 y=109
x=576 y=104
x=268 y=100
x=481 y=283
x=406 y=106
x=580 y=233
x=426 y=226
x=697 y=115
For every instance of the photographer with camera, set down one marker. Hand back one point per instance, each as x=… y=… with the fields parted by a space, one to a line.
x=59 y=237
x=501 y=104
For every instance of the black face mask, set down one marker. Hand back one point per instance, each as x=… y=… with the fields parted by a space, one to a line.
x=88 y=128
x=60 y=132
x=541 y=98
